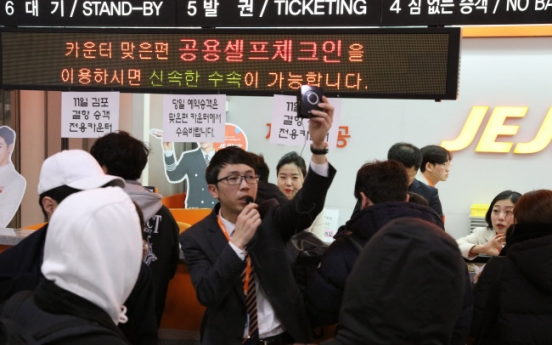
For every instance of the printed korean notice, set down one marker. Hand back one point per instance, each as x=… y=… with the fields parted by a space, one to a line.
x=288 y=129
x=331 y=219
x=194 y=118
x=89 y=114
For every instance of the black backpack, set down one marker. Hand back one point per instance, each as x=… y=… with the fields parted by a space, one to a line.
x=45 y=328
x=305 y=251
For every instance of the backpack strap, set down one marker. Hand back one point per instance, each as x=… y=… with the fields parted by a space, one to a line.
x=13 y=304
x=355 y=242
x=10 y=331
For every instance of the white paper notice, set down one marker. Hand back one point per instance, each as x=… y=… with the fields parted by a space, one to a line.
x=194 y=118
x=288 y=129
x=89 y=114
x=330 y=224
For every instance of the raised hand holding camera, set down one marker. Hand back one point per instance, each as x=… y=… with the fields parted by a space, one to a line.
x=313 y=105
x=308 y=98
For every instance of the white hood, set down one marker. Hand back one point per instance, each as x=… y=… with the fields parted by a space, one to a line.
x=93 y=248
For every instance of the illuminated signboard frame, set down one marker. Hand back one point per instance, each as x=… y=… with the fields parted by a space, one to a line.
x=420 y=63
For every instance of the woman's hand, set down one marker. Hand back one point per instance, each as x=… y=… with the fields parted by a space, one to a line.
x=491 y=248
x=494 y=245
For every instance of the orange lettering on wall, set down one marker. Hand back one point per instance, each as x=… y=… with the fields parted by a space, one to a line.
x=542 y=139
x=495 y=127
x=466 y=136
x=342 y=136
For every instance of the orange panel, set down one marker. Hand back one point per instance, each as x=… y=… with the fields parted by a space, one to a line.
x=34 y=226
x=189 y=215
x=182 y=310
x=507 y=31
x=174 y=201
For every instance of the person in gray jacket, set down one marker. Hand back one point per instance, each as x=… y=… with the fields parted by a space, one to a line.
x=121 y=155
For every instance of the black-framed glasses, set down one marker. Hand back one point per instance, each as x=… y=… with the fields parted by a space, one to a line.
x=237 y=179
x=447 y=165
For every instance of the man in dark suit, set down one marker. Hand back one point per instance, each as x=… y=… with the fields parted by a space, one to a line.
x=191 y=166
x=411 y=157
x=242 y=237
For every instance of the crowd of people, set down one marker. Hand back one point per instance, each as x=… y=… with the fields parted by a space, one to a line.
x=100 y=267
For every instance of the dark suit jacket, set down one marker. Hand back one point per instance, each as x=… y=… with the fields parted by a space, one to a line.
x=216 y=269
x=266 y=191
x=191 y=164
x=428 y=192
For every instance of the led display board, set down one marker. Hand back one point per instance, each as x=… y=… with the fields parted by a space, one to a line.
x=369 y=63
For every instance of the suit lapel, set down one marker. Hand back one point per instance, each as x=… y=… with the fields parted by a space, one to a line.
x=217 y=243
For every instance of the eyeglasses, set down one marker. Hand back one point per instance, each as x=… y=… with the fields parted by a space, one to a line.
x=446 y=165
x=237 y=179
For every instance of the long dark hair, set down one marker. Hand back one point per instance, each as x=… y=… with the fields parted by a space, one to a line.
x=505 y=195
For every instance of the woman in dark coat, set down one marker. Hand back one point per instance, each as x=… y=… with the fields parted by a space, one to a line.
x=513 y=296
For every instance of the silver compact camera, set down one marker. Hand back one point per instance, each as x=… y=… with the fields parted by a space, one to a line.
x=308 y=98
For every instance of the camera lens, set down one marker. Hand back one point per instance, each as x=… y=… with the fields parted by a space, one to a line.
x=312 y=98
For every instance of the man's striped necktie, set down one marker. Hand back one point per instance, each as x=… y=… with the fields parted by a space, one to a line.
x=251 y=307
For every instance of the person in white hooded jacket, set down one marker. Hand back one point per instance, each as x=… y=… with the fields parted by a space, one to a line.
x=89 y=232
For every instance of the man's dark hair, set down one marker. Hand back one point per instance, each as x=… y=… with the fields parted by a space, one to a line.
x=382 y=181
x=408 y=154
x=293 y=158
x=122 y=155
x=434 y=154
x=7 y=134
x=58 y=194
x=261 y=168
x=224 y=157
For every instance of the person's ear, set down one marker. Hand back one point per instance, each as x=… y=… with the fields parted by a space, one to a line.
x=364 y=201
x=429 y=166
x=213 y=190
x=49 y=206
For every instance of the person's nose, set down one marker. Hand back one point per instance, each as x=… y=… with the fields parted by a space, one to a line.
x=243 y=183
x=288 y=182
